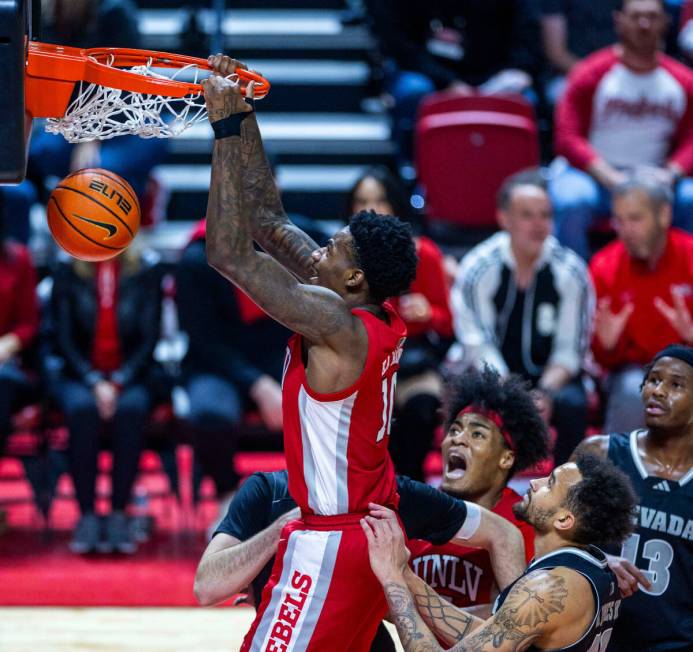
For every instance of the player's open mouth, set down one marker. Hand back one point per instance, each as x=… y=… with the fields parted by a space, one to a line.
x=654 y=408
x=456 y=467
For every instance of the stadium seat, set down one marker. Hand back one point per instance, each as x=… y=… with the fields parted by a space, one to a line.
x=449 y=101
x=463 y=156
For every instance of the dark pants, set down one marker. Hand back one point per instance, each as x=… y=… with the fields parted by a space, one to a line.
x=569 y=419
x=13 y=385
x=78 y=404
x=216 y=411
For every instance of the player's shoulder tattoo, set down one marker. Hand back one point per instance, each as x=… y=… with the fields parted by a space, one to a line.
x=530 y=605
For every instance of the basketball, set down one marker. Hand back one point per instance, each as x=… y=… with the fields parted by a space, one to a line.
x=93 y=214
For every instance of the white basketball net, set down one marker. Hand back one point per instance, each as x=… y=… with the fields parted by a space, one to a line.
x=99 y=112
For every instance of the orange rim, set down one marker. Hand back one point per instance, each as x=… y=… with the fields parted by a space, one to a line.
x=53 y=70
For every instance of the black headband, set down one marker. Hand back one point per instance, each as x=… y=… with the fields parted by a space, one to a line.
x=678 y=351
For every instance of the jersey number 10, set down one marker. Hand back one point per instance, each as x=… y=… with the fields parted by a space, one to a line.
x=389 y=383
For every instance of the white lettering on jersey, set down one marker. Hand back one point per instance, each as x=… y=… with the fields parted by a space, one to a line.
x=462 y=577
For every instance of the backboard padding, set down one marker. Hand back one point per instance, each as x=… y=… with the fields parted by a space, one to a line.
x=14 y=31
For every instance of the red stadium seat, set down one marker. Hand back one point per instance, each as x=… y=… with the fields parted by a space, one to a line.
x=463 y=156
x=449 y=101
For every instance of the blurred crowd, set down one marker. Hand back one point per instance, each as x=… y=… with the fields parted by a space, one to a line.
x=94 y=341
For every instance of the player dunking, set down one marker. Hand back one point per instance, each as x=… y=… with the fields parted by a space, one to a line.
x=338 y=385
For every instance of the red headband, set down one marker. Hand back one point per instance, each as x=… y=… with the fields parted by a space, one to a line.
x=496 y=418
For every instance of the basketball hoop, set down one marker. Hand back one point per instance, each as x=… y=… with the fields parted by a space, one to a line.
x=106 y=92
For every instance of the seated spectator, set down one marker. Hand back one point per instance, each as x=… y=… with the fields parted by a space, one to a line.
x=19 y=321
x=626 y=107
x=523 y=304
x=105 y=325
x=234 y=362
x=426 y=311
x=644 y=286
x=571 y=30
x=488 y=46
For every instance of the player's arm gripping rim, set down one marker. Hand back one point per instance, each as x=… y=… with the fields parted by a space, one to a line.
x=316 y=312
x=270 y=227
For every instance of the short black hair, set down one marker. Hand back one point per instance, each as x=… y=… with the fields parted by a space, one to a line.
x=681 y=352
x=511 y=398
x=529 y=177
x=394 y=191
x=386 y=253
x=603 y=502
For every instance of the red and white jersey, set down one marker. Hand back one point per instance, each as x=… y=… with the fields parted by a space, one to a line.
x=628 y=118
x=336 y=444
x=462 y=575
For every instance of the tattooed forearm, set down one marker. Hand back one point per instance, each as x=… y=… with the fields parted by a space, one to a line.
x=316 y=312
x=446 y=621
x=228 y=233
x=413 y=633
x=270 y=226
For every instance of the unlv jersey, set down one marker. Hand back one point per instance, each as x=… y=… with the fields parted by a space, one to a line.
x=463 y=575
x=336 y=444
x=591 y=564
x=661 y=617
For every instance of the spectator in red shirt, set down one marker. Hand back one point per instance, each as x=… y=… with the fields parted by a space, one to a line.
x=19 y=321
x=105 y=324
x=626 y=107
x=644 y=286
x=426 y=312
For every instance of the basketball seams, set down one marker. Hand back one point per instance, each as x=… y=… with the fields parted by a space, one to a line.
x=98 y=203
x=84 y=235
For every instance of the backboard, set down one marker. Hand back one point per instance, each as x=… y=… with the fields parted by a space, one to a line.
x=18 y=19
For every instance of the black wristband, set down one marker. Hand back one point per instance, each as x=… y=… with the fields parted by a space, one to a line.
x=229 y=126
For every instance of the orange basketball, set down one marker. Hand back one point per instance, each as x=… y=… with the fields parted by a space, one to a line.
x=93 y=214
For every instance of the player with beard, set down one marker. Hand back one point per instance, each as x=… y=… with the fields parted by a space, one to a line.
x=567 y=599
x=659 y=461
x=493 y=430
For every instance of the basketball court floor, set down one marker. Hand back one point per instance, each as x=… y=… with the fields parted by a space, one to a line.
x=44 y=629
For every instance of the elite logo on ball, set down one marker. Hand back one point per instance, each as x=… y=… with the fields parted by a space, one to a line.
x=109 y=192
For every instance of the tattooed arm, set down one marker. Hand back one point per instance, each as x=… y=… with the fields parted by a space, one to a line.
x=270 y=227
x=228 y=565
x=537 y=609
x=316 y=312
x=546 y=608
x=447 y=622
